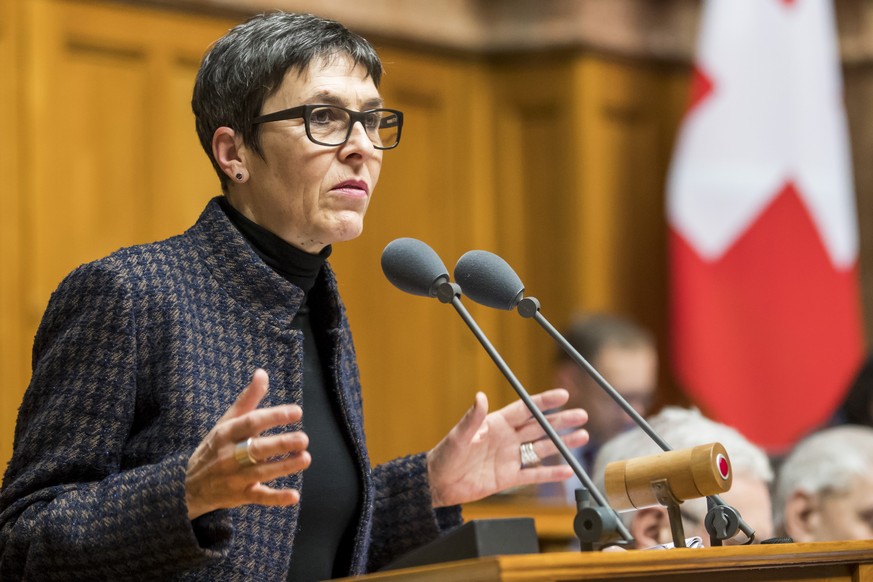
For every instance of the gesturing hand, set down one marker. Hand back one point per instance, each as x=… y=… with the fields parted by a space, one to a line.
x=481 y=454
x=216 y=480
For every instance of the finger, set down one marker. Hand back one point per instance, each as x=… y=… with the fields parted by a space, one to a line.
x=267 y=447
x=545 y=448
x=250 y=397
x=260 y=494
x=471 y=422
x=544 y=474
x=257 y=421
x=566 y=419
x=518 y=413
x=270 y=470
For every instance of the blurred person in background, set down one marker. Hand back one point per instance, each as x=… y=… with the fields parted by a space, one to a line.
x=684 y=428
x=625 y=355
x=824 y=490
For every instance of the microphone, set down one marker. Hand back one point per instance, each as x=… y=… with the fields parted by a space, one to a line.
x=688 y=474
x=670 y=478
x=412 y=266
x=489 y=280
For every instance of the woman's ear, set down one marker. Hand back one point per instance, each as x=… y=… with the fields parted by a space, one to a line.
x=650 y=527
x=229 y=154
x=800 y=517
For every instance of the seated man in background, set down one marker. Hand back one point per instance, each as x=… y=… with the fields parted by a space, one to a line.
x=625 y=355
x=825 y=487
x=684 y=428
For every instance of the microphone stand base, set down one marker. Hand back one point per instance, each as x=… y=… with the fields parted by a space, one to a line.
x=595 y=526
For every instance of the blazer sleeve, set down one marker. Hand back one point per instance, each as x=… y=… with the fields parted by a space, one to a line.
x=404 y=517
x=69 y=507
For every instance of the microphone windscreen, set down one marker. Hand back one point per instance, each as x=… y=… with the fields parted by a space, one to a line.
x=488 y=279
x=413 y=267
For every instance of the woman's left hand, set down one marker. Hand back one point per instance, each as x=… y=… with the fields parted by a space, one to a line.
x=481 y=455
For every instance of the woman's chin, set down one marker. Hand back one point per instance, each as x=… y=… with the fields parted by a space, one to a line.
x=348 y=227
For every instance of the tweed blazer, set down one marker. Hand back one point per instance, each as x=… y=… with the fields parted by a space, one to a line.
x=136 y=358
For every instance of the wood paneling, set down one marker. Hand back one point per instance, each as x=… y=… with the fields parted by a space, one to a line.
x=13 y=347
x=848 y=561
x=535 y=155
x=112 y=164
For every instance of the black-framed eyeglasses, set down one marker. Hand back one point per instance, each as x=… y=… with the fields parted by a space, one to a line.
x=330 y=125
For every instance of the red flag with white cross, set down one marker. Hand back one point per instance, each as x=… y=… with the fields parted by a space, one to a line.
x=765 y=312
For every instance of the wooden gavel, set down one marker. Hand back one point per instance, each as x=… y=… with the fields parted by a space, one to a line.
x=688 y=473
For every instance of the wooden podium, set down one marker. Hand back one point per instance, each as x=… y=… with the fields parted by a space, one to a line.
x=830 y=561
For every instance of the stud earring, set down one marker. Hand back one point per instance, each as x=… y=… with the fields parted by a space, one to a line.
x=239 y=176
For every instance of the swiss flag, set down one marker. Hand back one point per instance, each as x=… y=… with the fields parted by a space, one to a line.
x=765 y=313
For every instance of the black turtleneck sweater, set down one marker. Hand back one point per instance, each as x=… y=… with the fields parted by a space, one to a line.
x=330 y=500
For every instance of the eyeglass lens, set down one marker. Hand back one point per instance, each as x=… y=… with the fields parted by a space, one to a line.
x=330 y=125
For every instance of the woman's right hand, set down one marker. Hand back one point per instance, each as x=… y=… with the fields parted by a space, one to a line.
x=216 y=480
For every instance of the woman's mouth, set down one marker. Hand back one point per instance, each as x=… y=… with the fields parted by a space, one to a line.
x=356 y=188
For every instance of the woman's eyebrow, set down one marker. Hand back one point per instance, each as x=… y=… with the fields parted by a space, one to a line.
x=329 y=98
x=374 y=103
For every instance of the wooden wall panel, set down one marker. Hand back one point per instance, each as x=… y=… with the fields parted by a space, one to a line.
x=13 y=350
x=627 y=146
x=539 y=231
x=183 y=177
x=116 y=162
x=89 y=183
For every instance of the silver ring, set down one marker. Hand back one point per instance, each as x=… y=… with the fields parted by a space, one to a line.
x=529 y=457
x=243 y=453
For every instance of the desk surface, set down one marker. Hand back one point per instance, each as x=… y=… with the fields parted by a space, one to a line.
x=822 y=561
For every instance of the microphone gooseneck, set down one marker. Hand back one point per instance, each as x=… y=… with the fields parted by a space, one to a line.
x=492 y=281
x=411 y=266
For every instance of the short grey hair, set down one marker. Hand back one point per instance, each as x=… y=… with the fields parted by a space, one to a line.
x=825 y=462
x=248 y=64
x=683 y=428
